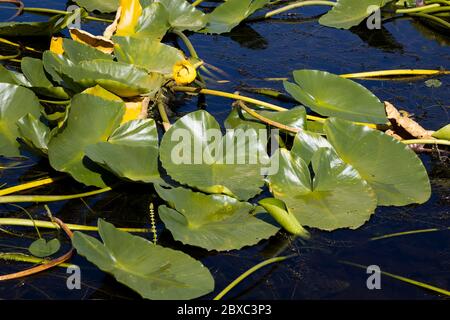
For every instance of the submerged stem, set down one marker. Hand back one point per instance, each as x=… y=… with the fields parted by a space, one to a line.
x=399 y=72
x=406 y=233
x=27 y=186
x=294 y=6
x=435 y=19
x=248 y=273
x=418 y=9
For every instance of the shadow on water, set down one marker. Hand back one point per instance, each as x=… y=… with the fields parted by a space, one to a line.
x=248 y=55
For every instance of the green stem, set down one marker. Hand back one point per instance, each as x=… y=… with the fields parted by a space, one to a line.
x=436 y=10
x=19 y=257
x=55 y=12
x=445 y=2
x=406 y=233
x=24 y=199
x=294 y=6
x=11 y=222
x=18 y=45
x=417 y=9
x=248 y=273
x=55 y=102
x=198 y=2
x=427 y=141
x=187 y=43
x=437 y=20
x=407 y=280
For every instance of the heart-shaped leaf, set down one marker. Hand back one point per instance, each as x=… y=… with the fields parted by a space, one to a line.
x=392 y=169
x=131 y=152
x=34 y=133
x=213 y=222
x=152 y=271
x=15 y=103
x=91 y=120
x=334 y=96
x=195 y=153
x=42 y=249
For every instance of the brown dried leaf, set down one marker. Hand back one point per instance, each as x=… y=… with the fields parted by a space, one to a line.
x=403 y=124
x=100 y=43
x=109 y=32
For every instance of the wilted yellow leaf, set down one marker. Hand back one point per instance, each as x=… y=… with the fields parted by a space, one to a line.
x=130 y=13
x=102 y=93
x=56 y=45
x=100 y=43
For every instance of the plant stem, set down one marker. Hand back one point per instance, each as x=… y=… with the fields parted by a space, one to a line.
x=12 y=222
x=399 y=72
x=427 y=141
x=27 y=186
x=407 y=280
x=163 y=114
x=417 y=9
x=248 y=273
x=196 y=3
x=187 y=43
x=55 y=12
x=253 y=101
x=436 y=10
x=55 y=102
x=45 y=198
x=437 y=20
x=18 y=45
x=20 y=257
x=293 y=6
x=406 y=233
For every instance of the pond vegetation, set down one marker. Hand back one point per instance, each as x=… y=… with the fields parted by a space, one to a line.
x=99 y=109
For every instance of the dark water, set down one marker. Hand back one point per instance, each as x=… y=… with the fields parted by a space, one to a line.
x=248 y=55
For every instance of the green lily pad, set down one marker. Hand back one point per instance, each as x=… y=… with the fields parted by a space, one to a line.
x=34 y=133
x=231 y=13
x=195 y=153
x=337 y=197
x=153 y=23
x=15 y=103
x=331 y=95
x=443 y=133
x=33 y=69
x=104 y=6
x=131 y=152
x=182 y=14
x=91 y=120
x=212 y=222
x=123 y=79
x=149 y=54
x=42 y=249
x=294 y=118
x=393 y=170
x=348 y=13
x=153 y=271
x=6 y=76
x=78 y=52
x=55 y=65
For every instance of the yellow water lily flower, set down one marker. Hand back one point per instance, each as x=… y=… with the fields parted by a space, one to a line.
x=184 y=72
x=56 y=45
x=131 y=10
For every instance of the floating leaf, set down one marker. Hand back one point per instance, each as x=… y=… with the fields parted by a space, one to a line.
x=33 y=69
x=34 y=133
x=337 y=197
x=443 y=133
x=231 y=13
x=153 y=24
x=15 y=103
x=152 y=271
x=131 y=152
x=348 y=13
x=392 y=169
x=213 y=222
x=294 y=118
x=281 y=214
x=334 y=96
x=104 y=6
x=78 y=52
x=147 y=53
x=195 y=153
x=91 y=120
x=6 y=76
x=42 y=249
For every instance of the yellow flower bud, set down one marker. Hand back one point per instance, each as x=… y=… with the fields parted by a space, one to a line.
x=184 y=72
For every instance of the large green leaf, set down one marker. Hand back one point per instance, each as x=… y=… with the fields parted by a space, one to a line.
x=6 y=76
x=294 y=118
x=78 y=52
x=153 y=23
x=392 y=169
x=348 y=13
x=33 y=69
x=131 y=152
x=150 y=54
x=152 y=271
x=123 y=79
x=54 y=65
x=213 y=222
x=15 y=103
x=231 y=13
x=104 y=6
x=34 y=133
x=337 y=197
x=182 y=15
x=195 y=153
x=91 y=120
x=334 y=96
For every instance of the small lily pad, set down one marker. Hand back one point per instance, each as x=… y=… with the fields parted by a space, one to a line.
x=42 y=248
